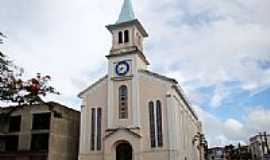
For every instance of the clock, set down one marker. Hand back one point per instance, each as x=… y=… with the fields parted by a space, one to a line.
x=122 y=68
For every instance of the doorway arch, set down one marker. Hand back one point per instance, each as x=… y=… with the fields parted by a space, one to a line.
x=124 y=151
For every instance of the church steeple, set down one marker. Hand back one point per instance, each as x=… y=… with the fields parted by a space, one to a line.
x=127 y=33
x=127 y=13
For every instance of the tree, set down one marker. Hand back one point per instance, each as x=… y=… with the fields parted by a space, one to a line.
x=202 y=144
x=16 y=90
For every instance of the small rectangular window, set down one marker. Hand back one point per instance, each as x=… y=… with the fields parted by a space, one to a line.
x=15 y=124
x=41 y=121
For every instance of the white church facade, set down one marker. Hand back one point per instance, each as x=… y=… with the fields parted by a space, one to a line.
x=132 y=113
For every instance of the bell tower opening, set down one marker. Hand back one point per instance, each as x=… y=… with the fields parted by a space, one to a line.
x=120 y=37
x=126 y=33
x=124 y=151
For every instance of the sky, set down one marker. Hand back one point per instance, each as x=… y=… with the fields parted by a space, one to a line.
x=219 y=51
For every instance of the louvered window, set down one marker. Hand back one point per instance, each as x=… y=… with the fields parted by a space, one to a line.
x=123 y=102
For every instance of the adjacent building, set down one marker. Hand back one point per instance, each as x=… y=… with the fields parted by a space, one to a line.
x=133 y=113
x=216 y=153
x=229 y=153
x=39 y=132
x=260 y=147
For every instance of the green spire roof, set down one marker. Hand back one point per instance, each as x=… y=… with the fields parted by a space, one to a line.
x=127 y=13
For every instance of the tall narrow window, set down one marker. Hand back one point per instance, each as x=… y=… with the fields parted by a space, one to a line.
x=159 y=124
x=96 y=126
x=120 y=37
x=155 y=117
x=123 y=102
x=93 y=127
x=126 y=35
x=152 y=125
x=98 y=129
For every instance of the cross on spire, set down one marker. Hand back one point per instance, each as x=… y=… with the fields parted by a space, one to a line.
x=127 y=13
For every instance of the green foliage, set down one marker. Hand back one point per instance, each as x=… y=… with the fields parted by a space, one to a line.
x=16 y=90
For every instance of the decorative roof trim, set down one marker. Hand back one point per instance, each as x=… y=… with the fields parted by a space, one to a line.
x=136 y=51
x=135 y=22
x=92 y=86
x=162 y=77
x=180 y=93
x=129 y=130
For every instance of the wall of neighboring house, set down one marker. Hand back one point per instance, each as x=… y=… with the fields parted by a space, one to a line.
x=40 y=131
x=64 y=134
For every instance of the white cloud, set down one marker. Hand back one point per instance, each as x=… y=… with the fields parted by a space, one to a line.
x=231 y=131
x=258 y=117
x=220 y=94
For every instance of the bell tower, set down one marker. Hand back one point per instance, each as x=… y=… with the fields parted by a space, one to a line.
x=127 y=33
x=125 y=59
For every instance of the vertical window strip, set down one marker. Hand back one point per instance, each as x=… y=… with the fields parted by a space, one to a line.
x=99 y=128
x=93 y=127
x=152 y=125
x=159 y=124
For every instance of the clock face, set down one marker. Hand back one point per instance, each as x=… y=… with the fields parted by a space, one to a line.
x=122 y=68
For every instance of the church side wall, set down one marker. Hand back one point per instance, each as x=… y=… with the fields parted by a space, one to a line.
x=96 y=98
x=179 y=126
x=152 y=89
x=186 y=128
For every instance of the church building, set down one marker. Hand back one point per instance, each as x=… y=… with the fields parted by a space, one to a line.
x=133 y=113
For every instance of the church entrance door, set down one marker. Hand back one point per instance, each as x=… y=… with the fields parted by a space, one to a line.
x=123 y=151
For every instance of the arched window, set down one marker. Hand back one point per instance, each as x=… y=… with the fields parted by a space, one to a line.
x=96 y=118
x=120 y=37
x=159 y=124
x=126 y=35
x=155 y=118
x=152 y=124
x=123 y=102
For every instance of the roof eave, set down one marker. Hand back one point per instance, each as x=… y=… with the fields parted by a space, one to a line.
x=131 y=52
x=185 y=101
x=135 y=22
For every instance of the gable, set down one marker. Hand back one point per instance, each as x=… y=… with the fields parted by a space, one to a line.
x=91 y=87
